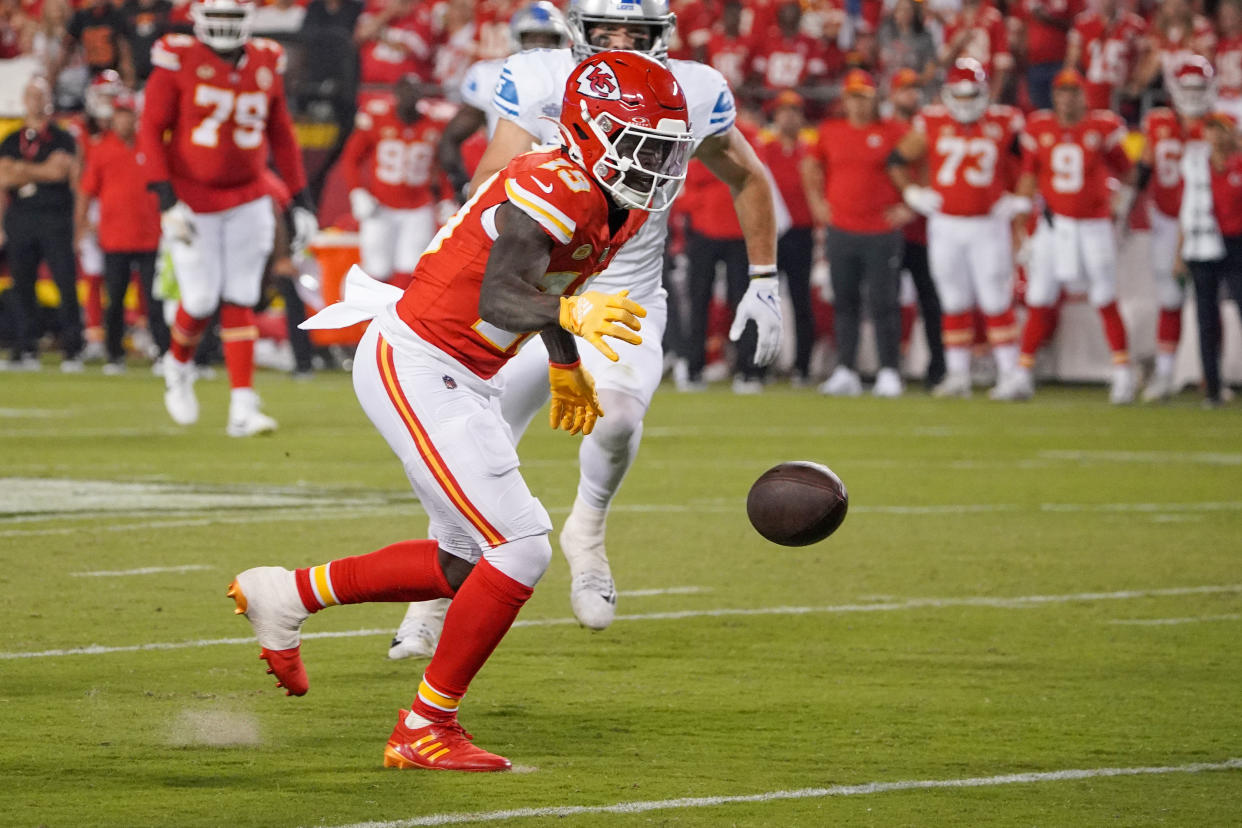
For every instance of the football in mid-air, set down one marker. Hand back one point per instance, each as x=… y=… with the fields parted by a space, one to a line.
x=797 y=503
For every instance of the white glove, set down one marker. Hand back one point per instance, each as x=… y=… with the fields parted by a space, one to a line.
x=362 y=204
x=922 y=200
x=1022 y=257
x=1010 y=205
x=305 y=226
x=177 y=223
x=762 y=303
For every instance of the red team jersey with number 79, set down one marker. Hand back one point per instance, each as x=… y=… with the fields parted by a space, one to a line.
x=208 y=126
x=441 y=305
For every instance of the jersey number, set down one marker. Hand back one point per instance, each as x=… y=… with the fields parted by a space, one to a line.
x=247 y=111
x=397 y=162
x=1068 y=167
x=957 y=150
x=1168 y=156
x=573 y=177
x=1108 y=61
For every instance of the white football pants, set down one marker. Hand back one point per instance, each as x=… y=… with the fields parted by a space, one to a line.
x=226 y=258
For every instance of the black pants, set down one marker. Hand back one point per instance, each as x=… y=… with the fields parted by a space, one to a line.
x=119 y=268
x=873 y=259
x=794 y=254
x=703 y=254
x=1208 y=276
x=915 y=260
x=34 y=237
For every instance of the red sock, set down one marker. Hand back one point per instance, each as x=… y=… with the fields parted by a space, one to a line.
x=1114 y=332
x=401 y=280
x=1002 y=328
x=957 y=330
x=186 y=332
x=237 y=334
x=480 y=615
x=1039 y=322
x=1169 y=329
x=93 y=307
x=403 y=572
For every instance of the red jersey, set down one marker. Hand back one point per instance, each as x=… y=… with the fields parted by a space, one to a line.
x=1229 y=68
x=1073 y=163
x=1046 y=43
x=398 y=157
x=1164 y=139
x=988 y=41
x=730 y=56
x=784 y=164
x=208 y=126
x=784 y=62
x=441 y=305
x=1177 y=42
x=1109 y=50
x=855 y=160
x=971 y=165
x=406 y=45
x=1227 y=197
x=129 y=214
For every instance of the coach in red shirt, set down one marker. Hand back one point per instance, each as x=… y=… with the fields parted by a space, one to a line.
x=845 y=178
x=129 y=226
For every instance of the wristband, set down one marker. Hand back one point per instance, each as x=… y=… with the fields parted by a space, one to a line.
x=761 y=271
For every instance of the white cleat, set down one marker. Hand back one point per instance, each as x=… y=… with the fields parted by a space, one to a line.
x=746 y=387
x=842 y=383
x=268 y=597
x=888 y=384
x=592 y=594
x=1014 y=387
x=1123 y=387
x=419 y=632
x=1159 y=387
x=953 y=385
x=245 y=418
x=179 y=397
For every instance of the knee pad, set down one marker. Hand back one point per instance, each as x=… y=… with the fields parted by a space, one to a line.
x=524 y=560
x=622 y=420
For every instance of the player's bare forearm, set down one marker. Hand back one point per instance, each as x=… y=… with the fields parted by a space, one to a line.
x=508 y=298
x=465 y=123
x=508 y=141
x=731 y=159
x=561 y=344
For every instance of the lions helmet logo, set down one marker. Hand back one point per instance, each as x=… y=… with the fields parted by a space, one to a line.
x=600 y=82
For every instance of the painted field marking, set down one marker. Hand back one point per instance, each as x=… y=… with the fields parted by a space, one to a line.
x=268 y=516
x=1210 y=458
x=865 y=789
x=1014 y=602
x=145 y=570
x=1168 y=622
x=681 y=590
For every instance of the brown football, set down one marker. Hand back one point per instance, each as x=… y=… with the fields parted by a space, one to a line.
x=797 y=503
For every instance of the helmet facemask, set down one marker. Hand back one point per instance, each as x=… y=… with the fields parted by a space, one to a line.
x=222 y=26
x=1193 y=96
x=585 y=15
x=966 y=101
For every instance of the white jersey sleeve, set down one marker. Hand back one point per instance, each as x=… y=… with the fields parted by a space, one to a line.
x=532 y=85
x=712 y=111
x=478 y=86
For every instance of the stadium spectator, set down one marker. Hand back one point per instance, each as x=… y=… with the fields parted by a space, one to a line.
x=147 y=21
x=1107 y=45
x=978 y=31
x=279 y=17
x=12 y=24
x=1177 y=31
x=846 y=182
x=333 y=14
x=1045 y=26
x=36 y=165
x=47 y=41
x=395 y=40
x=129 y=227
x=1211 y=224
x=782 y=148
x=905 y=42
x=1229 y=59
x=102 y=33
x=724 y=48
x=785 y=58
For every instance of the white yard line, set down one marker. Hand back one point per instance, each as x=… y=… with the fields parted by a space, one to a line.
x=145 y=570
x=1169 y=622
x=682 y=590
x=1208 y=458
x=865 y=789
x=1013 y=602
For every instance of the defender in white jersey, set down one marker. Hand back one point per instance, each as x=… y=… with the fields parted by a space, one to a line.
x=529 y=91
x=537 y=26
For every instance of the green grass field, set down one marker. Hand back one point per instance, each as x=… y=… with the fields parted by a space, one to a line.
x=1028 y=589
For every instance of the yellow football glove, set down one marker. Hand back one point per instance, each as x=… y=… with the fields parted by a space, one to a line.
x=593 y=316
x=575 y=407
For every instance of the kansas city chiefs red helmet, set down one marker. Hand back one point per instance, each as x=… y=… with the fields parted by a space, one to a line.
x=223 y=25
x=1191 y=87
x=624 y=118
x=965 y=91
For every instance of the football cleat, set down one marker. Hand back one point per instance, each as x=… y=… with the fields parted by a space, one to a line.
x=179 y=396
x=888 y=384
x=1121 y=390
x=1159 y=387
x=842 y=383
x=245 y=418
x=419 y=632
x=438 y=746
x=592 y=594
x=268 y=597
x=1014 y=386
x=953 y=385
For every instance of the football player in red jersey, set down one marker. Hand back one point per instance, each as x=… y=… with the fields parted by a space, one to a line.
x=972 y=151
x=1069 y=157
x=1166 y=133
x=1107 y=43
x=511 y=263
x=394 y=183
x=214 y=111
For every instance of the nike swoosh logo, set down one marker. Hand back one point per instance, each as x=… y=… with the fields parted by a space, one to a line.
x=545 y=187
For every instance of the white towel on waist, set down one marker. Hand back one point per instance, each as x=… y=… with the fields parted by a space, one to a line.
x=363 y=299
x=1065 y=249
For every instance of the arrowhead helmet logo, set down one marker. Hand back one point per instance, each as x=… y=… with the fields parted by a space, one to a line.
x=600 y=81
